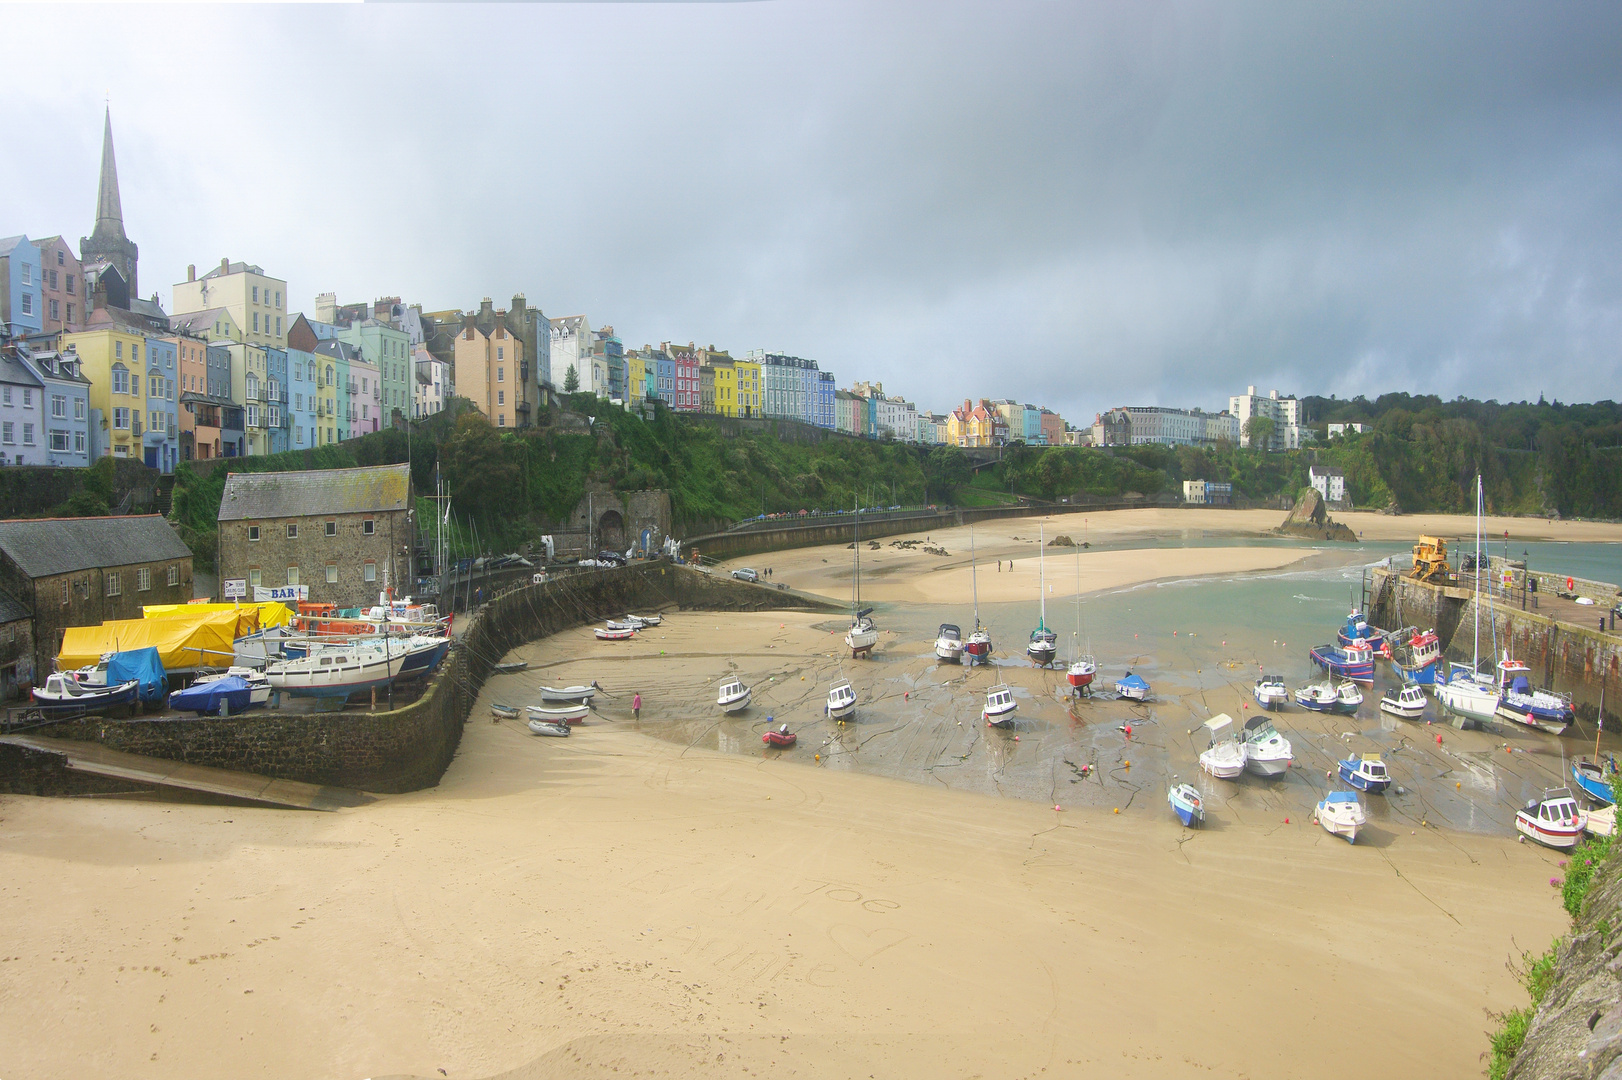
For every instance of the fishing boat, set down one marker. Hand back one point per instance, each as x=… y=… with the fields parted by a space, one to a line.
x=1554 y=820
x=609 y=633
x=566 y=714
x=504 y=712
x=1358 y=631
x=782 y=738
x=1594 y=780
x=1132 y=687
x=733 y=697
x=1083 y=667
x=1319 y=697
x=949 y=644
x=509 y=667
x=1044 y=644
x=1271 y=693
x=1186 y=804
x=1000 y=706
x=222 y=695
x=62 y=693
x=1415 y=660
x=1544 y=710
x=566 y=694
x=1341 y=813
x=841 y=701
x=1407 y=703
x=1267 y=753
x=544 y=727
x=1366 y=773
x=1226 y=757
x=1347 y=698
x=1354 y=661
x=978 y=646
x=862 y=635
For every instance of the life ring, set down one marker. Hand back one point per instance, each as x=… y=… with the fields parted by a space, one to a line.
x=1571 y=585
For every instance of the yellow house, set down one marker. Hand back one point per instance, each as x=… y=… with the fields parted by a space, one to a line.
x=250 y=369
x=326 y=400
x=726 y=386
x=636 y=376
x=213 y=324
x=489 y=370
x=256 y=301
x=747 y=378
x=114 y=360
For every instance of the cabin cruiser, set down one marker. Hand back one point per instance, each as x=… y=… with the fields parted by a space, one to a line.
x=1267 y=753
x=949 y=644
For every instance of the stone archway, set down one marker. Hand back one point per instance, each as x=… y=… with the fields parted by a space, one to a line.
x=611 y=531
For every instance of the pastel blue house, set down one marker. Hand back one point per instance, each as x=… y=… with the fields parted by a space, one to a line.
x=66 y=408
x=302 y=368
x=20 y=295
x=277 y=399
x=825 y=400
x=22 y=405
x=160 y=437
x=664 y=376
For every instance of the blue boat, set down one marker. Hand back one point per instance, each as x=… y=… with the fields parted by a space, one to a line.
x=1594 y=780
x=231 y=693
x=1417 y=659
x=1366 y=773
x=1133 y=687
x=422 y=661
x=1185 y=801
x=1357 y=629
x=1354 y=661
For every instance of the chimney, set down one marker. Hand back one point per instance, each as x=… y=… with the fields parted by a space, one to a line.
x=1250 y=391
x=225 y=266
x=191 y=272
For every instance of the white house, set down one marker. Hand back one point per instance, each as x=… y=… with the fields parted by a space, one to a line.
x=1330 y=482
x=1347 y=429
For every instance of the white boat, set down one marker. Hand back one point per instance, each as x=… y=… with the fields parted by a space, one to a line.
x=258 y=684
x=1466 y=693
x=1271 y=693
x=334 y=670
x=1000 y=706
x=1186 y=804
x=609 y=633
x=862 y=635
x=1601 y=822
x=63 y=693
x=1267 y=753
x=1319 y=697
x=639 y=621
x=568 y=714
x=1408 y=703
x=542 y=727
x=566 y=694
x=841 y=701
x=949 y=644
x=1554 y=820
x=1348 y=696
x=734 y=696
x=1226 y=757
x=1083 y=666
x=504 y=712
x=1132 y=687
x=1341 y=813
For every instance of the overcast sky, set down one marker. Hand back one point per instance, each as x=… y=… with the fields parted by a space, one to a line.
x=1076 y=205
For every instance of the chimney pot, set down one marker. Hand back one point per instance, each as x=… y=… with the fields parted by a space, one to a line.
x=191 y=272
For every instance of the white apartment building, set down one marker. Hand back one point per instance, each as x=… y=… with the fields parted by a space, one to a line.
x=1285 y=412
x=432 y=385
x=1330 y=482
x=571 y=348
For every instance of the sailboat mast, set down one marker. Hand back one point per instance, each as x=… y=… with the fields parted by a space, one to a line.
x=1475 y=649
x=856 y=545
x=1042 y=573
x=974 y=578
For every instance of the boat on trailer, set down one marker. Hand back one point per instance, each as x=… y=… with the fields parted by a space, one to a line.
x=1554 y=821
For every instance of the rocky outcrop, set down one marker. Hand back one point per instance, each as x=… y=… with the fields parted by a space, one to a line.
x=1310 y=520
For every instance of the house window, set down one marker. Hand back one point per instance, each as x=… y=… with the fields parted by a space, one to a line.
x=121 y=419
x=501 y=420
x=292 y=575
x=59 y=440
x=65 y=594
x=59 y=406
x=256 y=322
x=174 y=573
x=368 y=527
x=28 y=299
x=292 y=532
x=332 y=573
x=253 y=576
x=56 y=308
x=70 y=306
x=143 y=579
x=501 y=353
x=28 y=434
x=113 y=586
x=332 y=528
x=7 y=432
x=253 y=533
x=78 y=442
x=501 y=374
x=368 y=572
x=256 y=294
x=121 y=381
x=501 y=397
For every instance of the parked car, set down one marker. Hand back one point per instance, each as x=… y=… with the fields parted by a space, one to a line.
x=611 y=557
x=743 y=573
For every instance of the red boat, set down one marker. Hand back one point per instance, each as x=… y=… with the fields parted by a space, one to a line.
x=781 y=738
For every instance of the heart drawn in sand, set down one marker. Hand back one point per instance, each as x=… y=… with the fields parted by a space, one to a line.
x=863 y=945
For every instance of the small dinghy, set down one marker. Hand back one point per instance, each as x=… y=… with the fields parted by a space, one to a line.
x=1226 y=757
x=1341 y=814
x=569 y=694
x=1601 y=822
x=509 y=667
x=61 y=693
x=543 y=727
x=782 y=738
x=1186 y=804
x=1594 y=781
x=1554 y=820
x=949 y=644
x=1271 y=693
x=613 y=633
x=1407 y=703
x=1347 y=698
x=639 y=621
x=1000 y=706
x=734 y=696
x=1319 y=697
x=841 y=701
x=504 y=712
x=1267 y=753
x=1132 y=687
x=567 y=714
x=1366 y=773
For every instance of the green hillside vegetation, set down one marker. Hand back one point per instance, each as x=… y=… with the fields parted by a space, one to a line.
x=1422 y=454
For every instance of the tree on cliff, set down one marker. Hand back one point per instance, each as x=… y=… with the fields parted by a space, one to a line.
x=482 y=474
x=946 y=468
x=571 y=380
x=1259 y=430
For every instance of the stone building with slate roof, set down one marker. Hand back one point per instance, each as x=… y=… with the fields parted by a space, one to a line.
x=333 y=536
x=86 y=571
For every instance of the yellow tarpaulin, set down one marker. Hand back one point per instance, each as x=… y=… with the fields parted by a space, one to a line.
x=270 y=614
x=204 y=641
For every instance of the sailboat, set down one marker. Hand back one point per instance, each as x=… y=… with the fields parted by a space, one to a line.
x=863 y=635
x=1083 y=668
x=1468 y=694
x=1044 y=645
x=978 y=647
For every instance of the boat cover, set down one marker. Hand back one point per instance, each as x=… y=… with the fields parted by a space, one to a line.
x=1341 y=797
x=1133 y=681
x=270 y=613
x=206 y=697
x=182 y=643
x=141 y=666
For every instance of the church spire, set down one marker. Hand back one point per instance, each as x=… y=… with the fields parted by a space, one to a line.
x=109 y=209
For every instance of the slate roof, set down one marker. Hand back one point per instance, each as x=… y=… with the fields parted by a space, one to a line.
x=254 y=496
x=10 y=610
x=190 y=321
x=48 y=546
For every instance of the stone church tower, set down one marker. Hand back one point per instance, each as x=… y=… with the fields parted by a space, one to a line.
x=107 y=241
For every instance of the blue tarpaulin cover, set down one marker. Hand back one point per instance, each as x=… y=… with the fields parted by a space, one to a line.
x=205 y=698
x=144 y=667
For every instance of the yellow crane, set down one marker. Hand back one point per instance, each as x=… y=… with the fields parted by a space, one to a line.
x=1430 y=560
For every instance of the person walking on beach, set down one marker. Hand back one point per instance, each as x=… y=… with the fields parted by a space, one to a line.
x=636 y=706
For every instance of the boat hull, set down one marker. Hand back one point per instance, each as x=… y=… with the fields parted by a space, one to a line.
x=543 y=727
x=558 y=716
x=1267 y=766
x=1361 y=782
x=1592 y=782
x=842 y=712
x=1560 y=837
x=1553 y=722
x=1186 y=804
x=568 y=695
x=736 y=704
x=1472 y=702
x=1004 y=718
x=949 y=654
x=1041 y=655
x=1393 y=707
x=1335 y=662
x=861 y=642
x=1272 y=700
x=1339 y=826
x=779 y=740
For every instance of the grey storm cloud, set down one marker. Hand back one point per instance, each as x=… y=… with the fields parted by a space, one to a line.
x=1078 y=205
